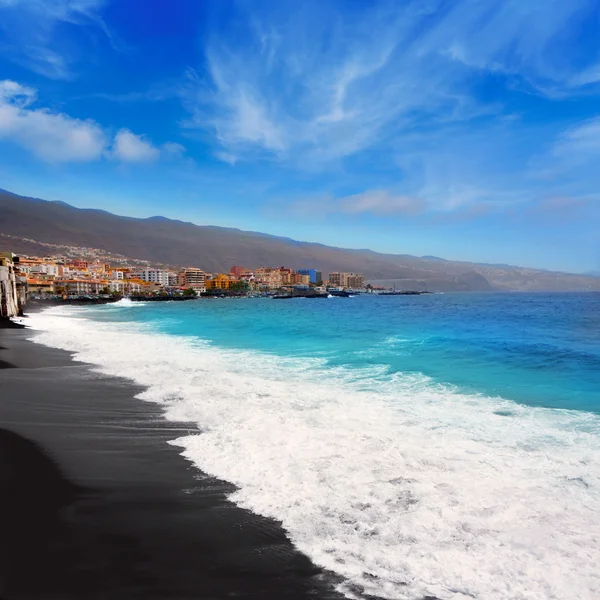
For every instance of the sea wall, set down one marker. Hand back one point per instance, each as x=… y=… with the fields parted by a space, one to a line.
x=12 y=287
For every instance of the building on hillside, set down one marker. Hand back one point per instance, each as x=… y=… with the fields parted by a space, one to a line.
x=173 y=279
x=132 y=273
x=77 y=265
x=45 y=269
x=192 y=278
x=27 y=262
x=237 y=271
x=159 y=276
x=117 y=275
x=314 y=275
x=98 y=267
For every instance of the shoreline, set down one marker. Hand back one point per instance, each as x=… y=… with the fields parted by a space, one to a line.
x=97 y=504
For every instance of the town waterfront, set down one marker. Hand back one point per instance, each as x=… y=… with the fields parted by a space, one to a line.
x=442 y=445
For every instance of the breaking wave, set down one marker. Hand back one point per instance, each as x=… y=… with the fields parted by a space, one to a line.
x=402 y=486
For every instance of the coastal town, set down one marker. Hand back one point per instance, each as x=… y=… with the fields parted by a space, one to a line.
x=64 y=278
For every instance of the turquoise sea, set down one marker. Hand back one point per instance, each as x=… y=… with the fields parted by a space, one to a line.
x=443 y=444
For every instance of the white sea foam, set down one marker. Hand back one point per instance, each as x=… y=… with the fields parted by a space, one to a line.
x=402 y=486
x=125 y=303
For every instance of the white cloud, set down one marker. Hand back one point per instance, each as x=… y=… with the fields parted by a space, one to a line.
x=57 y=137
x=16 y=93
x=130 y=147
x=54 y=137
x=315 y=84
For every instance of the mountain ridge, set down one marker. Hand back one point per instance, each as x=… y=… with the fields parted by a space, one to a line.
x=179 y=243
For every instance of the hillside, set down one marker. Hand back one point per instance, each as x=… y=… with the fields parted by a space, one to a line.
x=177 y=243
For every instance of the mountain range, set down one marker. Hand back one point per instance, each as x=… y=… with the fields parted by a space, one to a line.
x=215 y=249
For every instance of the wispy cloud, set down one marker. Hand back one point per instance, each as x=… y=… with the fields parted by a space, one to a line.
x=537 y=43
x=569 y=165
x=173 y=149
x=380 y=203
x=58 y=138
x=375 y=203
x=579 y=143
x=33 y=36
x=317 y=83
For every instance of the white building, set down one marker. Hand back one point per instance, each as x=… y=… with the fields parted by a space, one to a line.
x=70 y=272
x=46 y=269
x=155 y=276
x=124 y=287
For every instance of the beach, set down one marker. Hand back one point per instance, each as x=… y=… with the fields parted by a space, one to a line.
x=230 y=449
x=96 y=504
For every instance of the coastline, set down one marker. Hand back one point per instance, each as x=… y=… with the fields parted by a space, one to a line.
x=96 y=503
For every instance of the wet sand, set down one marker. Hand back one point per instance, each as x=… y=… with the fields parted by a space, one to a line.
x=94 y=504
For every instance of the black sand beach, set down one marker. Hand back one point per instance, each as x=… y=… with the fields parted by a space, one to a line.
x=94 y=504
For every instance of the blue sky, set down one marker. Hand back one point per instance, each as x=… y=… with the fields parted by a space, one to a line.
x=464 y=129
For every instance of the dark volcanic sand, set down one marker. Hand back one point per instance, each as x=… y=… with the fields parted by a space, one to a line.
x=94 y=504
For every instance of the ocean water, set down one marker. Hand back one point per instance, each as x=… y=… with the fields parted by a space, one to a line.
x=444 y=445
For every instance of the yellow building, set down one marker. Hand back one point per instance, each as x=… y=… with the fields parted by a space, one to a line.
x=220 y=282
